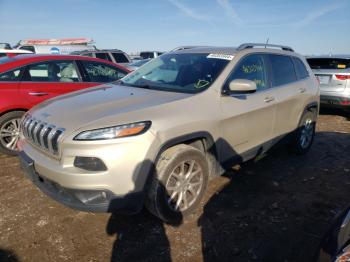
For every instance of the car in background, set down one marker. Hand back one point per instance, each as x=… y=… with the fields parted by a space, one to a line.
x=27 y=80
x=56 y=46
x=335 y=246
x=112 y=55
x=150 y=54
x=13 y=52
x=136 y=64
x=5 y=46
x=333 y=73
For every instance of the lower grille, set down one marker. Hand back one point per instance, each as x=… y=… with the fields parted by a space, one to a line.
x=42 y=134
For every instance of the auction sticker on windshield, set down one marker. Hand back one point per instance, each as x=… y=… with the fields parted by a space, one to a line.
x=221 y=56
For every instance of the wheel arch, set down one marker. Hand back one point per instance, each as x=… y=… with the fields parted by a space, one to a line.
x=12 y=110
x=201 y=140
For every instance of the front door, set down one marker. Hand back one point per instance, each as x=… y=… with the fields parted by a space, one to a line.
x=248 y=119
x=45 y=80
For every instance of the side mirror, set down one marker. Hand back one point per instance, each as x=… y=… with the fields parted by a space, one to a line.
x=242 y=86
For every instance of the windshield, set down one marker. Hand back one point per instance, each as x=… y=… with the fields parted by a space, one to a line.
x=186 y=73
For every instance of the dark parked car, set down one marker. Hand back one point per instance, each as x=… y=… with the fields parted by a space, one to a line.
x=335 y=246
x=112 y=55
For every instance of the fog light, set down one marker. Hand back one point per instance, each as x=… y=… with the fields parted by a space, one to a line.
x=89 y=163
x=92 y=197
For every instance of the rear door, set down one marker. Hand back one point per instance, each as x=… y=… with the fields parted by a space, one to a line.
x=332 y=73
x=48 y=79
x=9 y=94
x=288 y=91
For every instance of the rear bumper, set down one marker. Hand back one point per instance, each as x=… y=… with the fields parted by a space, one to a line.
x=335 y=100
x=85 y=200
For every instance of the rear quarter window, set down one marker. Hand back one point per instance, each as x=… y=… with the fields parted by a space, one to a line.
x=104 y=56
x=120 y=58
x=300 y=68
x=282 y=70
x=11 y=76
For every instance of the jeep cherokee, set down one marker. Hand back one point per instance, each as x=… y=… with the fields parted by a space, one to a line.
x=159 y=134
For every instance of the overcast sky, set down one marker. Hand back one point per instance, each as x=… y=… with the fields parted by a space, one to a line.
x=310 y=27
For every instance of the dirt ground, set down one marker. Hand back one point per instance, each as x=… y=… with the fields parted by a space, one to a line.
x=276 y=209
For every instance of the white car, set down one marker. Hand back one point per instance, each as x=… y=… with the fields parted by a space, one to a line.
x=13 y=52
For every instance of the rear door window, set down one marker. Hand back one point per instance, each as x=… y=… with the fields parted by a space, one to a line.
x=120 y=58
x=329 y=63
x=54 y=71
x=252 y=67
x=300 y=68
x=282 y=70
x=104 y=56
x=102 y=73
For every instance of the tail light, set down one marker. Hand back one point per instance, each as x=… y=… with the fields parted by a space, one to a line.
x=342 y=77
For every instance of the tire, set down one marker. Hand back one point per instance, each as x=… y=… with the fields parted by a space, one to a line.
x=305 y=133
x=172 y=178
x=9 y=132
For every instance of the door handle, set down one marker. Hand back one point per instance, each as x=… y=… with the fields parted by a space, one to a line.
x=38 y=93
x=302 y=90
x=269 y=99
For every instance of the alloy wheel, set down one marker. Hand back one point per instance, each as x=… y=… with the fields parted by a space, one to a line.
x=9 y=134
x=307 y=133
x=184 y=185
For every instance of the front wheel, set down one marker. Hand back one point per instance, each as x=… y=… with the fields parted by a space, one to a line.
x=9 y=132
x=305 y=133
x=179 y=183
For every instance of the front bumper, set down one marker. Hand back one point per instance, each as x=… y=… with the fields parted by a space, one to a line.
x=85 y=200
x=120 y=187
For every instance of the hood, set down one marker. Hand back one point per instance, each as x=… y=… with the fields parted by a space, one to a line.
x=102 y=106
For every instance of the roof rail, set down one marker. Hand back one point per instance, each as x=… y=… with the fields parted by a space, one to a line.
x=252 y=45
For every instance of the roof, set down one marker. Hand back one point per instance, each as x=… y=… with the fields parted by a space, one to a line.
x=330 y=56
x=151 y=51
x=30 y=58
x=210 y=49
x=98 y=51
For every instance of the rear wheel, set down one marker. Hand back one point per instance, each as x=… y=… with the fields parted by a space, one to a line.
x=305 y=133
x=179 y=183
x=9 y=132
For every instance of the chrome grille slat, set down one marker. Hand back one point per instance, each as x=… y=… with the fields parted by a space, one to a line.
x=35 y=131
x=49 y=139
x=42 y=134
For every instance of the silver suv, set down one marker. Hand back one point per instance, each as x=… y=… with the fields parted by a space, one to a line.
x=333 y=73
x=157 y=136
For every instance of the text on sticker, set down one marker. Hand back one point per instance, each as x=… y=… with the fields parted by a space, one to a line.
x=221 y=56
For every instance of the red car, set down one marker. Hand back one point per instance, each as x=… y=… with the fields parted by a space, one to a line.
x=27 y=80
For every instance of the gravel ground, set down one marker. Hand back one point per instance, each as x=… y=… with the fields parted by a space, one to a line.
x=275 y=209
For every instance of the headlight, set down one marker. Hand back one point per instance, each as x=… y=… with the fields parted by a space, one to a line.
x=115 y=131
